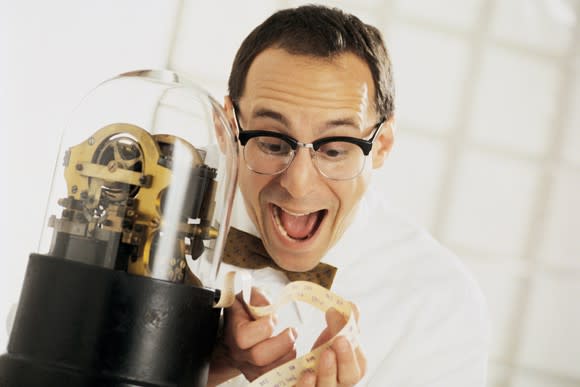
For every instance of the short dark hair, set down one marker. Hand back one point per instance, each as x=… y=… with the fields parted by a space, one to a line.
x=322 y=32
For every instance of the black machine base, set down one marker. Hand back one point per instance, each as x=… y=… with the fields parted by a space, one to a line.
x=80 y=325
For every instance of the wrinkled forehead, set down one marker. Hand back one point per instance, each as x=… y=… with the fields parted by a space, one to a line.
x=278 y=78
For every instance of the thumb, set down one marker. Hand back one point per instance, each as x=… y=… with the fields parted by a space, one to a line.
x=335 y=321
x=259 y=298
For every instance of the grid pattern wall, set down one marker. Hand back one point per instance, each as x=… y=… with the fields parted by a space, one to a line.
x=487 y=154
x=493 y=108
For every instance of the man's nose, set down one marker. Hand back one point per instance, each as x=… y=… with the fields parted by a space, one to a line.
x=300 y=178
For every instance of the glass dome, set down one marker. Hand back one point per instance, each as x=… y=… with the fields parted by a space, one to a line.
x=145 y=180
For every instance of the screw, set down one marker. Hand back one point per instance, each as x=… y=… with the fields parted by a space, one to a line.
x=112 y=166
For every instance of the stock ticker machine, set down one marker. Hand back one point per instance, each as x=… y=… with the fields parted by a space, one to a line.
x=121 y=290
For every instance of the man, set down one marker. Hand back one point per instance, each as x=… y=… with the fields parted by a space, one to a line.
x=311 y=97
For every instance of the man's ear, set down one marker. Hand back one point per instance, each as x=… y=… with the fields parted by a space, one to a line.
x=383 y=143
x=229 y=109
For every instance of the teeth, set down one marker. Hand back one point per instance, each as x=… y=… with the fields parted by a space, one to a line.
x=278 y=223
x=294 y=213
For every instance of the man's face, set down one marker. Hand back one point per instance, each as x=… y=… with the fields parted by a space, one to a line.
x=300 y=213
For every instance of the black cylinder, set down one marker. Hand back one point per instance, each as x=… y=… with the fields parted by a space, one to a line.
x=79 y=325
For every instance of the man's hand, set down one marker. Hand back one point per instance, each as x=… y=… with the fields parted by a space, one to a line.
x=249 y=345
x=341 y=364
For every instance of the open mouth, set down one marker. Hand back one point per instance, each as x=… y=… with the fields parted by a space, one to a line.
x=297 y=226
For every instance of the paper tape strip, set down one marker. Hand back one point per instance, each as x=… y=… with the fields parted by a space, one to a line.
x=228 y=294
x=289 y=373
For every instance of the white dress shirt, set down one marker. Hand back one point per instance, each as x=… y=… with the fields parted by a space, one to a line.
x=423 y=320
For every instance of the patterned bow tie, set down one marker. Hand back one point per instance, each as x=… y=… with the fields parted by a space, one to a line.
x=247 y=251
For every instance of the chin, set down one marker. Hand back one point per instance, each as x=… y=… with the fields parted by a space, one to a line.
x=296 y=263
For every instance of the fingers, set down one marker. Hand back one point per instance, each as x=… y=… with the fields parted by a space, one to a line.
x=327 y=369
x=350 y=371
x=250 y=345
x=251 y=371
x=362 y=361
x=272 y=349
x=258 y=298
x=339 y=365
x=308 y=379
x=267 y=355
x=246 y=332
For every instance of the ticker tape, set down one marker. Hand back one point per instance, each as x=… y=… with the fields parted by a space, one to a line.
x=288 y=374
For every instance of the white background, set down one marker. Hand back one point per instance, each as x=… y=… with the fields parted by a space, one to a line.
x=487 y=157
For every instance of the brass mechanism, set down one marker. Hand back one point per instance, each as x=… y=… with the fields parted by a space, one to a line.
x=119 y=191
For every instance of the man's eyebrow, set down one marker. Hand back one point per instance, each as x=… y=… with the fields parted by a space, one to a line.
x=267 y=113
x=343 y=122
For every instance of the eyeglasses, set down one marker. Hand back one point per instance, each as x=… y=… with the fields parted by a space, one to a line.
x=336 y=158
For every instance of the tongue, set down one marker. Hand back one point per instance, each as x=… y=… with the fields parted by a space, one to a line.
x=298 y=226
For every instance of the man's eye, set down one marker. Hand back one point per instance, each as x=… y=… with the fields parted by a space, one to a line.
x=272 y=146
x=336 y=150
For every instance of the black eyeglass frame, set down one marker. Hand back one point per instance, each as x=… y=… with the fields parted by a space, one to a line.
x=366 y=145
